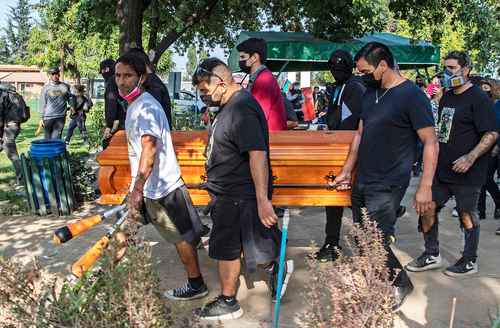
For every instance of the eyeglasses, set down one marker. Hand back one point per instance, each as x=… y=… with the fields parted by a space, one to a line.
x=200 y=69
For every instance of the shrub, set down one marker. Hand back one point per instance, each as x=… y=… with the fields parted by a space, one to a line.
x=354 y=291
x=96 y=124
x=83 y=177
x=120 y=295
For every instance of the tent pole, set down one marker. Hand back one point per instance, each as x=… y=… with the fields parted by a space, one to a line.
x=282 y=69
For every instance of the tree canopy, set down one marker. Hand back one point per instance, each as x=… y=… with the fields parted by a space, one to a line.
x=79 y=33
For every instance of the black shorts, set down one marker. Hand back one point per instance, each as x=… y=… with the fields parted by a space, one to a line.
x=466 y=196
x=237 y=228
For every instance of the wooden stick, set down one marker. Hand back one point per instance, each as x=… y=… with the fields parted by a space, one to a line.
x=454 y=305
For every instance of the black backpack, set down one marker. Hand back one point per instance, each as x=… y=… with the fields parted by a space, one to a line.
x=18 y=105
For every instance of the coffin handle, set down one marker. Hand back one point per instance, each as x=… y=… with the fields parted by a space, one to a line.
x=330 y=177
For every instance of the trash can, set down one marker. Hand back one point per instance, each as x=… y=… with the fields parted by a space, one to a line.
x=47 y=177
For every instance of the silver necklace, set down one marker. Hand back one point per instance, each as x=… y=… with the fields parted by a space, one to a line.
x=377 y=98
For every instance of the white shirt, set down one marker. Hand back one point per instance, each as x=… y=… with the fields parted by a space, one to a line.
x=145 y=116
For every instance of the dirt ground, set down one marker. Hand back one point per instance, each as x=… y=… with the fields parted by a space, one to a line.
x=25 y=237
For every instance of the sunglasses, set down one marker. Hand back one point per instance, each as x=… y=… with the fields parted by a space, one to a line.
x=200 y=69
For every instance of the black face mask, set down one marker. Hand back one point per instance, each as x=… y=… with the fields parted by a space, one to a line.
x=209 y=100
x=340 y=76
x=243 y=66
x=420 y=84
x=370 y=82
x=489 y=94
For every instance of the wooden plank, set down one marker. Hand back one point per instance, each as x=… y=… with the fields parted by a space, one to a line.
x=28 y=183
x=61 y=188
x=68 y=183
x=50 y=180
x=42 y=209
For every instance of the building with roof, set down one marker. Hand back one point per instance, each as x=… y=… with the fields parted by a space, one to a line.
x=27 y=80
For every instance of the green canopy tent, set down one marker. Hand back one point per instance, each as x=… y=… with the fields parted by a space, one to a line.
x=295 y=52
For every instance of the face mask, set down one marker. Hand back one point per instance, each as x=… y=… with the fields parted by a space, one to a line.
x=370 y=81
x=136 y=92
x=340 y=76
x=489 y=94
x=420 y=84
x=243 y=66
x=451 y=80
x=209 y=99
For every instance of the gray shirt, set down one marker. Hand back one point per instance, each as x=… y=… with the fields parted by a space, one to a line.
x=54 y=100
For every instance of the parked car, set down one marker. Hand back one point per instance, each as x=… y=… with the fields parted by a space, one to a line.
x=188 y=102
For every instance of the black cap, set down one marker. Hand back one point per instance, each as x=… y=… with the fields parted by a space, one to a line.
x=341 y=60
x=53 y=70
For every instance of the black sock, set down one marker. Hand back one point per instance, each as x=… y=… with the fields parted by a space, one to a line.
x=197 y=282
x=230 y=300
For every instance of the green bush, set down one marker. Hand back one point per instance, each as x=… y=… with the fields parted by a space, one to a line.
x=121 y=295
x=96 y=124
x=83 y=177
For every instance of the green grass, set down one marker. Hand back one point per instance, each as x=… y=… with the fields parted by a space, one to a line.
x=23 y=141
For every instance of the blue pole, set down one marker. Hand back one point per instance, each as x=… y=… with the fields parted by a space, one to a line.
x=286 y=220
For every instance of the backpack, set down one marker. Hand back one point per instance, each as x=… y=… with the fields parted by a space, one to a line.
x=19 y=106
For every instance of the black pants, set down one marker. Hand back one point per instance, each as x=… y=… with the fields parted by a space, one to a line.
x=333 y=224
x=77 y=121
x=10 y=132
x=54 y=127
x=382 y=203
x=466 y=197
x=490 y=186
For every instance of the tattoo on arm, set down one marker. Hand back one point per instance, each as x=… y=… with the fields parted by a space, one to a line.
x=487 y=141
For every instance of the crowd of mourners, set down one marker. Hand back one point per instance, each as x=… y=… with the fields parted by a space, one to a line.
x=444 y=131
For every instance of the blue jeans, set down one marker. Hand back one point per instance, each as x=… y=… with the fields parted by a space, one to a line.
x=382 y=203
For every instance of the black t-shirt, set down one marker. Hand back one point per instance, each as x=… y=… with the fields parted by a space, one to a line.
x=388 y=144
x=155 y=86
x=240 y=126
x=344 y=107
x=463 y=119
x=115 y=107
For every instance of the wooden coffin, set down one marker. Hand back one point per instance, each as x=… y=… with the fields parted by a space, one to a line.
x=302 y=163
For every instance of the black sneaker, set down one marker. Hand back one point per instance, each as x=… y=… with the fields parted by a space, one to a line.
x=186 y=293
x=219 y=309
x=401 y=211
x=400 y=294
x=425 y=262
x=327 y=253
x=498 y=231
x=273 y=278
x=463 y=267
x=497 y=213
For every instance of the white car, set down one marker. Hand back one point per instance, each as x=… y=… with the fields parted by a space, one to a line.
x=188 y=102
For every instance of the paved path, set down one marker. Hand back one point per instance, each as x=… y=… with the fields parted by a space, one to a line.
x=428 y=306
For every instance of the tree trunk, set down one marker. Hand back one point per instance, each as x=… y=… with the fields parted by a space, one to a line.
x=154 y=25
x=130 y=14
x=189 y=22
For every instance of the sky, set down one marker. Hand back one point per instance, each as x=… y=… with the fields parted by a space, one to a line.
x=180 y=60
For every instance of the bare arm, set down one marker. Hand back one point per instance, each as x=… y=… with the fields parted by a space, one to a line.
x=464 y=163
x=260 y=175
x=423 y=196
x=146 y=162
x=345 y=175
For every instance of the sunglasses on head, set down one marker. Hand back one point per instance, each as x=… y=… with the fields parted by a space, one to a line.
x=200 y=69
